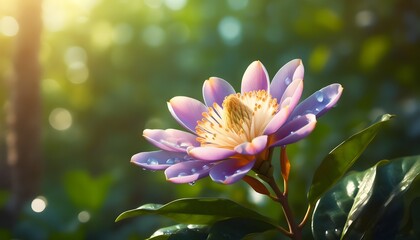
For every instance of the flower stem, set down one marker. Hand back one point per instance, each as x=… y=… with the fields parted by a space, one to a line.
x=294 y=229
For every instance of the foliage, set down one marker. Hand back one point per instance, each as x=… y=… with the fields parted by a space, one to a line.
x=111 y=65
x=370 y=204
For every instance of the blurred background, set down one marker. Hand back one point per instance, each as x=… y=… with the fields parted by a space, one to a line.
x=81 y=79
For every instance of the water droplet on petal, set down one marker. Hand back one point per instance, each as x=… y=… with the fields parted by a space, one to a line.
x=319 y=96
x=287 y=81
x=182 y=174
x=292 y=132
x=193 y=170
x=170 y=161
x=191 y=183
x=152 y=161
x=177 y=160
x=317 y=110
x=238 y=171
x=206 y=167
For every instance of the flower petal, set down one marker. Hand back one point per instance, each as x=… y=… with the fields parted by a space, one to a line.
x=255 y=78
x=230 y=170
x=215 y=90
x=277 y=121
x=319 y=102
x=187 y=111
x=294 y=130
x=290 y=71
x=188 y=172
x=257 y=145
x=158 y=160
x=171 y=139
x=210 y=153
x=292 y=94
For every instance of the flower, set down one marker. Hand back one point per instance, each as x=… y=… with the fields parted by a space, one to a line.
x=231 y=131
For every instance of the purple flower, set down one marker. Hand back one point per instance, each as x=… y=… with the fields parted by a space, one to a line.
x=231 y=131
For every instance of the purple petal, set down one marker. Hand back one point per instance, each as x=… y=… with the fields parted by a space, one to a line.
x=171 y=139
x=257 y=145
x=319 y=102
x=230 y=170
x=294 y=130
x=187 y=111
x=277 y=121
x=215 y=90
x=255 y=78
x=188 y=172
x=210 y=153
x=158 y=160
x=289 y=72
x=292 y=94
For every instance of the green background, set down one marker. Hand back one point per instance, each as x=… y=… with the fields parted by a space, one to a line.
x=113 y=65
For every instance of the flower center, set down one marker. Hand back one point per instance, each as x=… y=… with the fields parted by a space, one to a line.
x=237 y=115
x=242 y=118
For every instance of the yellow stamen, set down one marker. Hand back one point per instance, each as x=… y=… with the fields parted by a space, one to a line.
x=236 y=113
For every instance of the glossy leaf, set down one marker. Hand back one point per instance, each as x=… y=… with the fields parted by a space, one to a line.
x=341 y=158
x=196 y=211
x=237 y=228
x=181 y=232
x=369 y=204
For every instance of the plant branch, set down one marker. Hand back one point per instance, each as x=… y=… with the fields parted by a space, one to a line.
x=306 y=217
x=294 y=230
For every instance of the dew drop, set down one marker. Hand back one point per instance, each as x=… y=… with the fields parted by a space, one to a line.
x=238 y=171
x=287 y=81
x=170 y=161
x=182 y=174
x=193 y=170
x=184 y=145
x=317 y=110
x=319 y=97
x=177 y=160
x=152 y=161
x=206 y=167
x=292 y=132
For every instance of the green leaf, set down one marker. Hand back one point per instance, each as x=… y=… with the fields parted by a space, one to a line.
x=369 y=204
x=237 y=228
x=196 y=211
x=341 y=158
x=181 y=232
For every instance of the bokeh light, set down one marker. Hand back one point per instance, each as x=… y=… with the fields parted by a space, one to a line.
x=230 y=30
x=9 y=26
x=83 y=216
x=60 y=119
x=175 y=5
x=39 y=204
